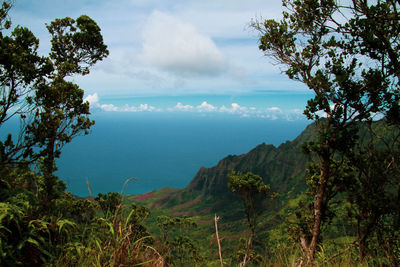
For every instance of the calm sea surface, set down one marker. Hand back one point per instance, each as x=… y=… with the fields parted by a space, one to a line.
x=161 y=149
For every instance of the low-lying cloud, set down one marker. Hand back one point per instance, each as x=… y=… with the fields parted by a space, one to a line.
x=127 y=108
x=235 y=109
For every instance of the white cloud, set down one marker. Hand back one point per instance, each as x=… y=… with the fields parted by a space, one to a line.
x=177 y=47
x=109 y=107
x=205 y=107
x=181 y=107
x=274 y=109
x=92 y=99
x=273 y=113
x=127 y=108
x=181 y=48
x=235 y=108
x=140 y=108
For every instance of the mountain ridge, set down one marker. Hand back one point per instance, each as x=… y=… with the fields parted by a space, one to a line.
x=282 y=167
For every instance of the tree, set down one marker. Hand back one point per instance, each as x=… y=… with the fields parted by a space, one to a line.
x=32 y=84
x=37 y=218
x=375 y=30
x=35 y=89
x=250 y=188
x=60 y=113
x=352 y=72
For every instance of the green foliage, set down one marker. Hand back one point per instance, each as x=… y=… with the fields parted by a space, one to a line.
x=109 y=202
x=252 y=190
x=23 y=235
x=80 y=210
x=21 y=71
x=244 y=252
x=51 y=109
x=351 y=64
x=73 y=233
x=121 y=239
x=177 y=246
x=76 y=45
x=5 y=22
x=245 y=185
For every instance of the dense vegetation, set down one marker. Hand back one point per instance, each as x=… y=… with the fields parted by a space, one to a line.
x=337 y=203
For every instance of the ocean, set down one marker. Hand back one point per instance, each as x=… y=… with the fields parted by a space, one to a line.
x=163 y=141
x=160 y=150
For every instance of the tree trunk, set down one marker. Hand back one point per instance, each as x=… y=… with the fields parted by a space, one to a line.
x=49 y=178
x=318 y=207
x=252 y=225
x=309 y=246
x=361 y=242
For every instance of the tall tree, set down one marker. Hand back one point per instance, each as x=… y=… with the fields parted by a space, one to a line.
x=51 y=108
x=37 y=89
x=374 y=31
x=320 y=47
x=61 y=113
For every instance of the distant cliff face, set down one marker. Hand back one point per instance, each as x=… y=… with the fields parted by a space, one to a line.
x=213 y=180
x=282 y=167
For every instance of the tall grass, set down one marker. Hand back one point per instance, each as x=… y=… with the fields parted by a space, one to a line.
x=111 y=241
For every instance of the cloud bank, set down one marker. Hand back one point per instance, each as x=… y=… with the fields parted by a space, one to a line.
x=205 y=108
x=127 y=108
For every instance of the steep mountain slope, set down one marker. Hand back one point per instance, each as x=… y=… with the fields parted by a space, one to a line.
x=282 y=167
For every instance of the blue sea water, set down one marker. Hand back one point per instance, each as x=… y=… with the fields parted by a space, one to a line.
x=166 y=148
x=160 y=149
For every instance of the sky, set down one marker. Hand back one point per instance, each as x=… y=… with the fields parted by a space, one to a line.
x=165 y=48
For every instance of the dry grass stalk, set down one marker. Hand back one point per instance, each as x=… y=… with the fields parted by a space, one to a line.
x=216 y=219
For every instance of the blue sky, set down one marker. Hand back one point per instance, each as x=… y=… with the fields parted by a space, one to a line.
x=161 y=48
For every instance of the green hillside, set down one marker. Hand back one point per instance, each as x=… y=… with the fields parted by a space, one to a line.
x=282 y=167
x=207 y=194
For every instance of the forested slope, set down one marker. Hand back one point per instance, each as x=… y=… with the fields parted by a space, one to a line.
x=282 y=167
